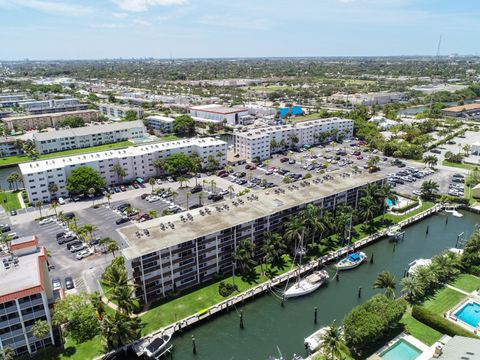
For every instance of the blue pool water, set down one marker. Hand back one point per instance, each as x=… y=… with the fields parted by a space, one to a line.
x=401 y=350
x=391 y=203
x=470 y=314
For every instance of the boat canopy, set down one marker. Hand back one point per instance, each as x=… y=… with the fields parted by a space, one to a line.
x=354 y=257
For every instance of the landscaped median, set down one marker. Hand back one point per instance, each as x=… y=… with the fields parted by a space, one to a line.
x=9 y=200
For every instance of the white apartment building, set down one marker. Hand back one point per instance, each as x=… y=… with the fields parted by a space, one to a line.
x=368 y=99
x=217 y=113
x=45 y=104
x=159 y=123
x=24 y=296
x=256 y=142
x=86 y=136
x=135 y=160
x=117 y=112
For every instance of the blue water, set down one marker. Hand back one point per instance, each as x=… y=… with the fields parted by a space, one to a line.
x=401 y=350
x=470 y=314
x=391 y=203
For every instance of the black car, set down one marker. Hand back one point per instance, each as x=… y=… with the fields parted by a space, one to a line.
x=69 y=215
x=73 y=243
x=60 y=234
x=13 y=212
x=66 y=239
x=216 y=197
x=122 y=220
x=196 y=206
x=196 y=189
x=5 y=228
x=144 y=196
x=123 y=206
x=69 y=283
x=95 y=241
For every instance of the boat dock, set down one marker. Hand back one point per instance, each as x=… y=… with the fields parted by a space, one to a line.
x=269 y=286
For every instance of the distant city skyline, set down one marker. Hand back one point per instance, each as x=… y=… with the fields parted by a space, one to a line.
x=87 y=29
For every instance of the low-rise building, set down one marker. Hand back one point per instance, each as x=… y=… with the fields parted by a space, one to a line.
x=179 y=254
x=252 y=143
x=219 y=114
x=8 y=147
x=118 y=112
x=53 y=106
x=25 y=293
x=463 y=111
x=12 y=100
x=162 y=124
x=136 y=161
x=368 y=99
x=28 y=122
x=87 y=136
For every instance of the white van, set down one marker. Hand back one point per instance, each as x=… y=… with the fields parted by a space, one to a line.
x=61 y=201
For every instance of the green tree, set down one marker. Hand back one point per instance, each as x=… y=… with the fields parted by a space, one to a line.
x=385 y=281
x=428 y=189
x=54 y=206
x=38 y=206
x=152 y=182
x=295 y=231
x=13 y=179
x=77 y=314
x=184 y=125
x=332 y=342
x=130 y=115
x=7 y=353
x=273 y=248
x=311 y=218
x=119 y=329
x=245 y=257
x=112 y=247
x=84 y=178
x=413 y=289
x=52 y=188
x=387 y=194
x=91 y=193
x=72 y=122
x=41 y=330
x=120 y=171
x=471 y=254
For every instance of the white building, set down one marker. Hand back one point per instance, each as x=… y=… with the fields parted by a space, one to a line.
x=135 y=160
x=87 y=136
x=475 y=148
x=117 y=112
x=374 y=98
x=217 y=113
x=53 y=106
x=24 y=296
x=383 y=123
x=8 y=147
x=161 y=124
x=257 y=142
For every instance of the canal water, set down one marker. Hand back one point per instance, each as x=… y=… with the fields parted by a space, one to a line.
x=268 y=325
x=4 y=172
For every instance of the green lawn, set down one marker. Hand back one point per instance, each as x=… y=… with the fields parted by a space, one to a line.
x=72 y=351
x=11 y=198
x=195 y=301
x=397 y=218
x=467 y=282
x=458 y=165
x=11 y=160
x=419 y=330
x=444 y=300
x=169 y=138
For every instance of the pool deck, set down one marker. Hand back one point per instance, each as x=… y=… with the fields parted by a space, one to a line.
x=473 y=297
x=411 y=340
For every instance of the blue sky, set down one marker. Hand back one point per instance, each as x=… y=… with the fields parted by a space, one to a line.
x=89 y=29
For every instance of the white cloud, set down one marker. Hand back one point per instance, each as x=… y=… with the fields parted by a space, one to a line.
x=121 y=15
x=55 y=7
x=141 y=22
x=143 y=5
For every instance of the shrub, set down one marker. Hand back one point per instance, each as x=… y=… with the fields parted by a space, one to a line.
x=405 y=208
x=226 y=289
x=439 y=323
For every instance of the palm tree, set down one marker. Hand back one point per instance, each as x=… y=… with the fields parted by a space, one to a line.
x=387 y=194
x=40 y=330
x=152 y=182
x=182 y=181
x=91 y=192
x=112 y=247
x=212 y=184
x=187 y=196
x=115 y=275
x=174 y=196
x=428 y=189
x=231 y=190
x=5 y=239
x=153 y=213
x=332 y=342
x=273 y=248
x=200 y=197
x=120 y=171
x=7 y=353
x=52 y=187
x=120 y=329
x=413 y=289
x=123 y=296
x=295 y=231
x=108 y=196
x=311 y=216
x=54 y=206
x=386 y=281
x=14 y=178
x=245 y=256
x=38 y=205
x=369 y=207
x=158 y=165
x=430 y=160
x=90 y=229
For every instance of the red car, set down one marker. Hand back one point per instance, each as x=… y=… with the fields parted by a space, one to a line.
x=359 y=157
x=284 y=159
x=222 y=175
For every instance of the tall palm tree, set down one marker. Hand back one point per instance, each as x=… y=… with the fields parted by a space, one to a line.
x=174 y=196
x=386 y=281
x=153 y=213
x=38 y=205
x=413 y=289
x=273 y=248
x=108 y=196
x=231 y=190
x=387 y=194
x=115 y=275
x=311 y=218
x=119 y=329
x=54 y=206
x=7 y=353
x=91 y=192
x=295 y=231
x=187 y=197
x=428 y=189
x=332 y=342
x=245 y=256
x=52 y=187
x=372 y=190
x=123 y=296
x=90 y=229
x=120 y=171
x=152 y=182
x=112 y=247
x=200 y=197
x=369 y=206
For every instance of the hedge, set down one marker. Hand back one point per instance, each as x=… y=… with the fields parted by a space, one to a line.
x=439 y=323
x=406 y=207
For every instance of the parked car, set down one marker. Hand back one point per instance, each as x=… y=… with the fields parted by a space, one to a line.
x=12 y=235
x=61 y=201
x=69 y=283
x=56 y=284
x=122 y=220
x=13 y=212
x=291 y=161
x=73 y=243
x=284 y=159
x=196 y=189
x=143 y=196
x=69 y=215
x=83 y=254
x=123 y=188
x=5 y=228
x=117 y=189
x=45 y=221
x=77 y=247
x=196 y=206
x=66 y=239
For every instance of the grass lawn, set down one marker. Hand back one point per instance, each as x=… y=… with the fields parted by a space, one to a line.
x=467 y=282
x=169 y=138
x=11 y=160
x=419 y=330
x=11 y=198
x=195 y=301
x=444 y=300
x=397 y=218
x=458 y=165
x=313 y=116
x=88 y=350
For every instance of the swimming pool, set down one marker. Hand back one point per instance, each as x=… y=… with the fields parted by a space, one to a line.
x=391 y=203
x=469 y=314
x=401 y=350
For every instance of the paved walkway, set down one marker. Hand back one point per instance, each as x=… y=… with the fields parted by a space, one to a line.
x=457 y=289
x=20 y=199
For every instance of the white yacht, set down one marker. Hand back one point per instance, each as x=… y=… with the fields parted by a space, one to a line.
x=351 y=261
x=307 y=285
x=314 y=341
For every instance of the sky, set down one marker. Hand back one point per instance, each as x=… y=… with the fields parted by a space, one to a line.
x=99 y=29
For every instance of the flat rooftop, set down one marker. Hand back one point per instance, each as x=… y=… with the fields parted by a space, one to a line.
x=87 y=130
x=55 y=163
x=217 y=109
x=66 y=113
x=268 y=203
x=460 y=108
x=21 y=276
x=161 y=118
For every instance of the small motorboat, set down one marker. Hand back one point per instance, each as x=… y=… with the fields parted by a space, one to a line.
x=307 y=285
x=393 y=231
x=314 y=341
x=157 y=347
x=454 y=213
x=351 y=261
x=417 y=264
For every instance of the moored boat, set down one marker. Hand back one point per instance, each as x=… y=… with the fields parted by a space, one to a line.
x=393 y=231
x=154 y=347
x=351 y=261
x=307 y=285
x=314 y=341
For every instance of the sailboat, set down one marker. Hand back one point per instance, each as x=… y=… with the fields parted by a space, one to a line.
x=309 y=283
x=351 y=261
